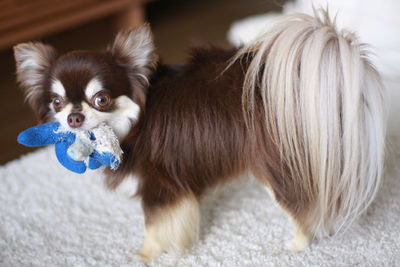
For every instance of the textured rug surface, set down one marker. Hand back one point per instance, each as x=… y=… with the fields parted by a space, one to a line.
x=51 y=217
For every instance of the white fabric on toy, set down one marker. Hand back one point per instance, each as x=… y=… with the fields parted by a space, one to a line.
x=82 y=148
x=107 y=141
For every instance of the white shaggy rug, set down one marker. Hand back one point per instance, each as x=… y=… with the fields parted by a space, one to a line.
x=51 y=217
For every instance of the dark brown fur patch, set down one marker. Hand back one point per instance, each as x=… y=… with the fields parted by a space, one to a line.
x=192 y=136
x=76 y=69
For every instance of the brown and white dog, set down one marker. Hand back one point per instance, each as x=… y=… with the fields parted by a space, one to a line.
x=301 y=108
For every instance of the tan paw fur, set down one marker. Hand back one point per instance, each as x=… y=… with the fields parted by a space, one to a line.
x=173 y=229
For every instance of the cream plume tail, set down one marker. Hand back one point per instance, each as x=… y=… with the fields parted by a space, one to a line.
x=324 y=108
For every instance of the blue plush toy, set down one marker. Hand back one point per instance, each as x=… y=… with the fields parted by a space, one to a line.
x=76 y=150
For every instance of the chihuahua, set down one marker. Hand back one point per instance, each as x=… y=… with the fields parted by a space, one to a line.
x=301 y=108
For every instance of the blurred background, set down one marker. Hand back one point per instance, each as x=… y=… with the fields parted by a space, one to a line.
x=91 y=24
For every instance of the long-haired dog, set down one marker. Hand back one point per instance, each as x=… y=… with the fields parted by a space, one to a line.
x=301 y=108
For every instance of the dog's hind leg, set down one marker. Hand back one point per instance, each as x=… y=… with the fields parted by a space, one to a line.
x=296 y=210
x=302 y=236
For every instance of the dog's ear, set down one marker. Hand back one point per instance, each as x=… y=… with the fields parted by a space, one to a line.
x=134 y=49
x=33 y=61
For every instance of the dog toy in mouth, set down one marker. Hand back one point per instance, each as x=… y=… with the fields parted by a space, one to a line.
x=76 y=150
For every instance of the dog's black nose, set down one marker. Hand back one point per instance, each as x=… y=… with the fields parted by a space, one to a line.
x=75 y=120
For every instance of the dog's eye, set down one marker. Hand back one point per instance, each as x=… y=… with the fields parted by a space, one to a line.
x=102 y=100
x=57 y=101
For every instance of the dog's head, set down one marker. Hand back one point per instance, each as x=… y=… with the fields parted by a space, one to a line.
x=82 y=89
